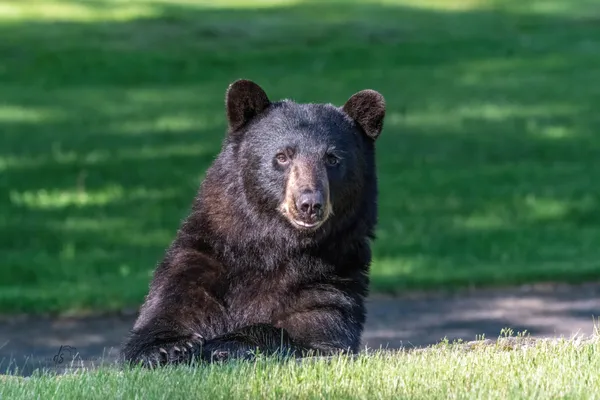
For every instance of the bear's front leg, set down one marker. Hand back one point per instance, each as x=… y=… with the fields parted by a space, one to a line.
x=183 y=308
x=325 y=320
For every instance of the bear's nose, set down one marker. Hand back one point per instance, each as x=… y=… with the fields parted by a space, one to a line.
x=310 y=204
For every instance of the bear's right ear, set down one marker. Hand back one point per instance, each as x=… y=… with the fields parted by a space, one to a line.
x=367 y=108
x=244 y=100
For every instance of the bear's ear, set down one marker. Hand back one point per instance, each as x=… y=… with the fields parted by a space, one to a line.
x=367 y=108
x=244 y=100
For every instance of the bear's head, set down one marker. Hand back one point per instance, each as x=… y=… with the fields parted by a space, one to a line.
x=309 y=166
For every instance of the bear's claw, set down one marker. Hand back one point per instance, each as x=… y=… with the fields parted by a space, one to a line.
x=170 y=353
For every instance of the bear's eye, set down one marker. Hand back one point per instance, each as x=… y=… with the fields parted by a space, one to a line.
x=281 y=158
x=332 y=160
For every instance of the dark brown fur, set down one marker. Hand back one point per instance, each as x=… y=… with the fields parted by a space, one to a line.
x=240 y=274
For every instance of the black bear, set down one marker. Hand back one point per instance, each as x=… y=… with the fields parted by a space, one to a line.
x=275 y=254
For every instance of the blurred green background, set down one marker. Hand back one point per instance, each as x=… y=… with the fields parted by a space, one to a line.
x=111 y=111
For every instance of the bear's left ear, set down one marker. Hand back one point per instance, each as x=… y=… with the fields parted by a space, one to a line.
x=367 y=108
x=244 y=100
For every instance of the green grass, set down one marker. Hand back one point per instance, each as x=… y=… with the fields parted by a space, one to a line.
x=541 y=370
x=111 y=111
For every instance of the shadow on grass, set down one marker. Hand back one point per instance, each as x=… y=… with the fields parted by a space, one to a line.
x=487 y=164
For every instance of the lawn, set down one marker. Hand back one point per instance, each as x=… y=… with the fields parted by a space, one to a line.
x=543 y=370
x=111 y=111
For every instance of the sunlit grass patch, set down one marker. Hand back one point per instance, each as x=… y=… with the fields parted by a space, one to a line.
x=171 y=124
x=583 y=8
x=69 y=10
x=19 y=114
x=112 y=10
x=512 y=367
x=442 y=5
x=57 y=199
x=484 y=221
x=44 y=199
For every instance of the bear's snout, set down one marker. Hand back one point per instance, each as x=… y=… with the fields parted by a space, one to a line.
x=306 y=203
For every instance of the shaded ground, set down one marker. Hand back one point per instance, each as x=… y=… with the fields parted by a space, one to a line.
x=418 y=320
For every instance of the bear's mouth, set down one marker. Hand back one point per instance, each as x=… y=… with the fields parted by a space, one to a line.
x=305 y=225
x=310 y=223
x=301 y=224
